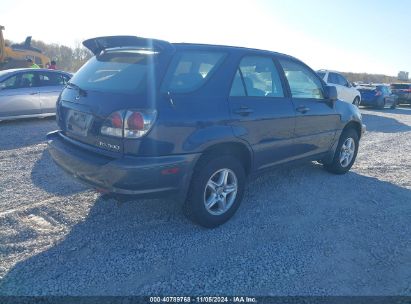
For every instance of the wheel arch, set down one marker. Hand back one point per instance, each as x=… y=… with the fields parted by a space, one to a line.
x=238 y=149
x=353 y=125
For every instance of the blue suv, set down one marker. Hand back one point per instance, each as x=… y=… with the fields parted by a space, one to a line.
x=148 y=117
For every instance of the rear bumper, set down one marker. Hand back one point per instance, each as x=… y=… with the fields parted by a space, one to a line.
x=138 y=176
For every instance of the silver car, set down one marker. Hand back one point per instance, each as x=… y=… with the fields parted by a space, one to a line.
x=28 y=93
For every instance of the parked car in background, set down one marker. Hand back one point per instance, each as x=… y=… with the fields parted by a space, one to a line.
x=403 y=91
x=28 y=93
x=377 y=96
x=345 y=90
x=148 y=117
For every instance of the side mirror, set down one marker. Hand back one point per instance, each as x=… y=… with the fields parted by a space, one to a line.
x=331 y=93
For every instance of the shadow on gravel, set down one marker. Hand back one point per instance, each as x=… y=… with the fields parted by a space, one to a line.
x=47 y=176
x=376 y=123
x=298 y=231
x=403 y=110
x=16 y=134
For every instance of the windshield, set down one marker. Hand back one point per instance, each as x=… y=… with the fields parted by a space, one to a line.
x=124 y=71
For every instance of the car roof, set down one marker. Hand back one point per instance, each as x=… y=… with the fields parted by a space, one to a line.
x=184 y=45
x=12 y=71
x=229 y=48
x=97 y=44
x=31 y=69
x=332 y=71
x=373 y=85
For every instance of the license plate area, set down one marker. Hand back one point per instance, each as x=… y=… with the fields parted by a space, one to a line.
x=78 y=122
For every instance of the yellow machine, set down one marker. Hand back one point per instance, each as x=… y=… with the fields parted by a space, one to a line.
x=16 y=55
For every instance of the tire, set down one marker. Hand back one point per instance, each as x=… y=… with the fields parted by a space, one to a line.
x=356 y=101
x=207 y=175
x=382 y=105
x=395 y=104
x=337 y=166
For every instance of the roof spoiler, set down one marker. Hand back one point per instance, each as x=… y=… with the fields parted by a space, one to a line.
x=98 y=44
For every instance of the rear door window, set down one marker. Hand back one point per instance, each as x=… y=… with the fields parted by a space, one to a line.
x=341 y=80
x=257 y=76
x=44 y=79
x=333 y=78
x=189 y=70
x=302 y=81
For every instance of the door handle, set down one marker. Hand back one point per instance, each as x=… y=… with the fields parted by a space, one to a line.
x=34 y=93
x=243 y=110
x=303 y=109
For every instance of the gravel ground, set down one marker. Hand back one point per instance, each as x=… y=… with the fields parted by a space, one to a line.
x=299 y=231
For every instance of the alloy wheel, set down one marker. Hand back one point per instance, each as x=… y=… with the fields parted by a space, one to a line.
x=220 y=191
x=347 y=152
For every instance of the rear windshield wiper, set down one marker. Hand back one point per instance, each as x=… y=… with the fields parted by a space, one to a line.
x=80 y=90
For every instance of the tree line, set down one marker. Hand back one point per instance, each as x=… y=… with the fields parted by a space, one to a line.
x=72 y=58
x=370 y=78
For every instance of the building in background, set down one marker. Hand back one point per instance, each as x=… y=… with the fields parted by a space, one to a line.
x=403 y=76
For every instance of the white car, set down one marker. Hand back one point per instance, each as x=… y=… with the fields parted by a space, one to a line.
x=345 y=91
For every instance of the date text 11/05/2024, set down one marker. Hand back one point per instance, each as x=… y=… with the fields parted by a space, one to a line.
x=206 y=299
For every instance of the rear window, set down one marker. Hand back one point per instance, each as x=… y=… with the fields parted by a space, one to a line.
x=400 y=86
x=189 y=70
x=123 y=71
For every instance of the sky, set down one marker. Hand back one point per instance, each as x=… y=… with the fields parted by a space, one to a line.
x=348 y=36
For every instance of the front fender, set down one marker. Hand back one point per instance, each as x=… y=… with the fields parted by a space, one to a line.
x=349 y=113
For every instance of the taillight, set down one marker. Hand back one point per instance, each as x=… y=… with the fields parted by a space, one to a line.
x=138 y=123
x=378 y=93
x=117 y=120
x=129 y=123
x=113 y=125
